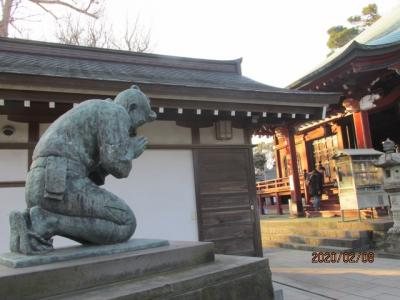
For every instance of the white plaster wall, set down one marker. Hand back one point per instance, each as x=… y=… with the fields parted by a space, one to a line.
x=161 y=192
x=10 y=199
x=165 y=132
x=207 y=136
x=21 y=131
x=13 y=165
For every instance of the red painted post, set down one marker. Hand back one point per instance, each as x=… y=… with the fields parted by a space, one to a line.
x=278 y=205
x=362 y=129
x=296 y=207
x=306 y=195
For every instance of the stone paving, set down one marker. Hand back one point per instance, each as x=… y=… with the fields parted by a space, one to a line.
x=293 y=272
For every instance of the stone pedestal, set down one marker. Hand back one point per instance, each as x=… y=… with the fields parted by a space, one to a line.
x=390 y=162
x=18 y=260
x=391 y=243
x=180 y=270
x=395 y=201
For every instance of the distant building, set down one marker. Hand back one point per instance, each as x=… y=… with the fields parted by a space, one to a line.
x=366 y=72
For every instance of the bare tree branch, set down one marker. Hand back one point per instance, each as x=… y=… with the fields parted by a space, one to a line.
x=86 y=11
x=26 y=18
x=10 y=9
x=99 y=33
x=48 y=11
x=135 y=38
x=90 y=31
x=70 y=32
x=16 y=28
x=6 y=17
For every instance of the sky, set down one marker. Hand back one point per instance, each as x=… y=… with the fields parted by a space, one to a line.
x=279 y=41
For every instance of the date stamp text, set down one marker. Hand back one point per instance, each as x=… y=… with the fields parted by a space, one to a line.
x=326 y=257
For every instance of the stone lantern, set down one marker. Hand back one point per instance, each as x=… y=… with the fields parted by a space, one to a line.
x=390 y=162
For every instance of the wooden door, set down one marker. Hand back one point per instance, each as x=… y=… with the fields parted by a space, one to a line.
x=226 y=200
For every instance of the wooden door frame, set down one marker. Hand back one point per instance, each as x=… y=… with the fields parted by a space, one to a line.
x=251 y=188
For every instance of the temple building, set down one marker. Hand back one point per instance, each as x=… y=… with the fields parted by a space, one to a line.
x=366 y=72
x=196 y=179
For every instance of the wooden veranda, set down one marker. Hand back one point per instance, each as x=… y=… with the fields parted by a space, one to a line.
x=277 y=188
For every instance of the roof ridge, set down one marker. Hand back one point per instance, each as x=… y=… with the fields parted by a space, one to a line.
x=113 y=55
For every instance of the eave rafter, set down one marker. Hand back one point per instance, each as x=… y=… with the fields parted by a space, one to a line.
x=357 y=60
x=65 y=90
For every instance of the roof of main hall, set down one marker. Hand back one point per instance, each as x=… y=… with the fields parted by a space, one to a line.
x=383 y=35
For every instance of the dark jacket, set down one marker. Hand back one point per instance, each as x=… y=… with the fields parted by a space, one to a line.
x=315 y=183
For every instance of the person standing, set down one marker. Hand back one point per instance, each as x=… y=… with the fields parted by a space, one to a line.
x=315 y=186
x=322 y=170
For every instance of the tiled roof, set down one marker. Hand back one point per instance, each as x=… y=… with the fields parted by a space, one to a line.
x=28 y=64
x=65 y=61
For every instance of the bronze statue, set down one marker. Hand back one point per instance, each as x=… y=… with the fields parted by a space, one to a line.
x=70 y=162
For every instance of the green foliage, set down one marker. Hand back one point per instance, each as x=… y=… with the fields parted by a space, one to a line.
x=370 y=14
x=341 y=35
x=264 y=147
x=264 y=160
x=259 y=160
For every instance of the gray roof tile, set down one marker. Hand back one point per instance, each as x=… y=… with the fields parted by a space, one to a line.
x=21 y=63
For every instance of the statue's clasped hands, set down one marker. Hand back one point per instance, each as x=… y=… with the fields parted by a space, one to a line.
x=139 y=144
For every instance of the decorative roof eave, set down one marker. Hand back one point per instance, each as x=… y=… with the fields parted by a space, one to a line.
x=356 y=152
x=15 y=87
x=316 y=123
x=349 y=56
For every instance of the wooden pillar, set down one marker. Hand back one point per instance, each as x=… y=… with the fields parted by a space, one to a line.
x=195 y=135
x=339 y=134
x=260 y=205
x=306 y=194
x=278 y=167
x=362 y=129
x=278 y=204
x=296 y=206
x=33 y=137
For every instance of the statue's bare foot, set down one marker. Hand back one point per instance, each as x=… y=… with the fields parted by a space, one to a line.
x=23 y=240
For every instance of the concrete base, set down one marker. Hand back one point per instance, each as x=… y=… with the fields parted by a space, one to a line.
x=17 y=260
x=182 y=270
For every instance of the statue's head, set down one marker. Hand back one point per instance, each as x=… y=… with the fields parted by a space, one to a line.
x=137 y=104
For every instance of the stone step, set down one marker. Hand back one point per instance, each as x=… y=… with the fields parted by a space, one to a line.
x=62 y=277
x=229 y=277
x=318 y=241
x=336 y=223
x=325 y=213
x=334 y=209
x=329 y=233
x=306 y=247
x=377 y=225
x=330 y=204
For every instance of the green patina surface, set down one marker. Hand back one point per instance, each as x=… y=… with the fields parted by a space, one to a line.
x=18 y=260
x=70 y=163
